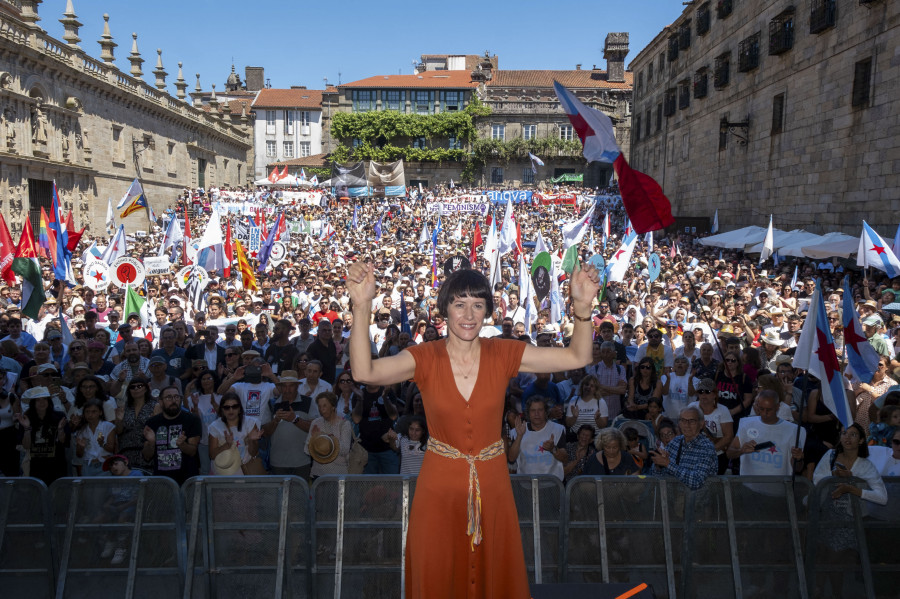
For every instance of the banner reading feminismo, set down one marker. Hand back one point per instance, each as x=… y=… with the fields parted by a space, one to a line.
x=451 y=207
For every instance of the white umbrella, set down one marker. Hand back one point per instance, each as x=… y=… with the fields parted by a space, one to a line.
x=739 y=238
x=840 y=245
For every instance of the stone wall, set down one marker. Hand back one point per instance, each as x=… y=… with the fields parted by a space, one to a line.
x=829 y=165
x=90 y=127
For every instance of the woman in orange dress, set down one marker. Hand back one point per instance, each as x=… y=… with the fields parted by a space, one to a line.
x=464 y=539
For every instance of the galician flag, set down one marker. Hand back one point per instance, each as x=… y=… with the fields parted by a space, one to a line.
x=715 y=226
x=643 y=198
x=815 y=353
x=860 y=353
x=25 y=264
x=619 y=261
x=573 y=232
x=873 y=251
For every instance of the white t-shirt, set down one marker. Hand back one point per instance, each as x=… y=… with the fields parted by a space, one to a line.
x=677 y=398
x=715 y=420
x=773 y=461
x=217 y=430
x=533 y=459
x=587 y=413
x=254 y=395
x=96 y=439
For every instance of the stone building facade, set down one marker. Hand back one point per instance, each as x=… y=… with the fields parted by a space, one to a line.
x=524 y=105
x=788 y=108
x=287 y=125
x=93 y=128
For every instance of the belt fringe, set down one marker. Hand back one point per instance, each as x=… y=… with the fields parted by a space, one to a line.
x=473 y=528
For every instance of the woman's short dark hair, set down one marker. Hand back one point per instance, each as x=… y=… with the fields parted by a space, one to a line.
x=588 y=428
x=331 y=397
x=465 y=283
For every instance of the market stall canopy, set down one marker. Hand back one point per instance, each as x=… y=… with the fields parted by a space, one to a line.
x=737 y=239
x=796 y=248
x=787 y=239
x=841 y=246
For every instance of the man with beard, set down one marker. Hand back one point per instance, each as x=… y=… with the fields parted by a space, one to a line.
x=133 y=363
x=171 y=439
x=324 y=350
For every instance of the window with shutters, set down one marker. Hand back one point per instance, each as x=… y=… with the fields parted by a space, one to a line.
x=748 y=53
x=822 y=15
x=684 y=35
x=781 y=33
x=527 y=176
x=724 y=8
x=659 y=117
x=497 y=175
x=637 y=128
x=673 y=48
x=669 y=102
x=684 y=94
x=703 y=19
x=722 y=70
x=701 y=79
x=649 y=119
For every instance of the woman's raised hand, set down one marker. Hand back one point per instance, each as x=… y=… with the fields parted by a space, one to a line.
x=585 y=284
x=361 y=283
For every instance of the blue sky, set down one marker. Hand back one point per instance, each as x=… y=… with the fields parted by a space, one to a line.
x=299 y=45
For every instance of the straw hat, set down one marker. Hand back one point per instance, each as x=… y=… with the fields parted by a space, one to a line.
x=324 y=449
x=228 y=463
x=772 y=338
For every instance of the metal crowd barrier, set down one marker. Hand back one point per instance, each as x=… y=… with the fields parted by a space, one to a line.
x=118 y=537
x=742 y=537
x=27 y=566
x=247 y=536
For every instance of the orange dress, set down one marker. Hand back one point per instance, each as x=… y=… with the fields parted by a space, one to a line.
x=440 y=562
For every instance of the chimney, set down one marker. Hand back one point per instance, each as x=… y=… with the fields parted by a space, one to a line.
x=614 y=51
x=578 y=67
x=255 y=78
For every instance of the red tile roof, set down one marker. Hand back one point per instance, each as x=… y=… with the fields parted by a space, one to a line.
x=428 y=79
x=314 y=160
x=544 y=78
x=289 y=98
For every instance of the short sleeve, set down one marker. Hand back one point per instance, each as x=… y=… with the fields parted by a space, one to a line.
x=725 y=414
x=507 y=353
x=423 y=354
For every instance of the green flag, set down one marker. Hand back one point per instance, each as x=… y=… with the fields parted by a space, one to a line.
x=133 y=304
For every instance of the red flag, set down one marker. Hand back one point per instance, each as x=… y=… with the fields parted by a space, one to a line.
x=7 y=253
x=519 y=239
x=263 y=232
x=672 y=251
x=273 y=176
x=476 y=241
x=646 y=204
x=282 y=228
x=70 y=222
x=187 y=239
x=283 y=174
x=74 y=238
x=229 y=251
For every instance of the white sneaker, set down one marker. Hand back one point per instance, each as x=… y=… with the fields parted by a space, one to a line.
x=119 y=557
x=107 y=550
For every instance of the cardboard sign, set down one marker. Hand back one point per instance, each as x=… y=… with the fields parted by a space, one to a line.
x=127 y=271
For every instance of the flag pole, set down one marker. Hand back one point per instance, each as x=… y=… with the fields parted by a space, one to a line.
x=137 y=172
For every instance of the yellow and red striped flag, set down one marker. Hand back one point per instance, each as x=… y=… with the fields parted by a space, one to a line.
x=247 y=277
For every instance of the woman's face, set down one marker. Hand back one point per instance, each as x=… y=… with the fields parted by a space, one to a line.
x=92 y=414
x=88 y=389
x=666 y=434
x=706 y=353
x=326 y=410
x=418 y=405
x=415 y=431
x=206 y=383
x=612 y=448
x=681 y=367
x=41 y=353
x=431 y=334
x=137 y=388
x=585 y=438
x=850 y=438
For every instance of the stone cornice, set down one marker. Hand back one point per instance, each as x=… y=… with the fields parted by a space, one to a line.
x=77 y=67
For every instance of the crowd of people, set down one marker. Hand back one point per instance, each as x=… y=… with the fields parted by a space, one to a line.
x=692 y=373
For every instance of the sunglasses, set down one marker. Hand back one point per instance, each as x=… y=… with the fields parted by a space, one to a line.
x=137 y=386
x=230 y=355
x=233 y=406
x=730 y=360
x=344 y=381
x=895 y=441
x=645 y=367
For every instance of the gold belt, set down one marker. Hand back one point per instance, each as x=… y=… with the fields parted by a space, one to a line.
x=473 y=528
